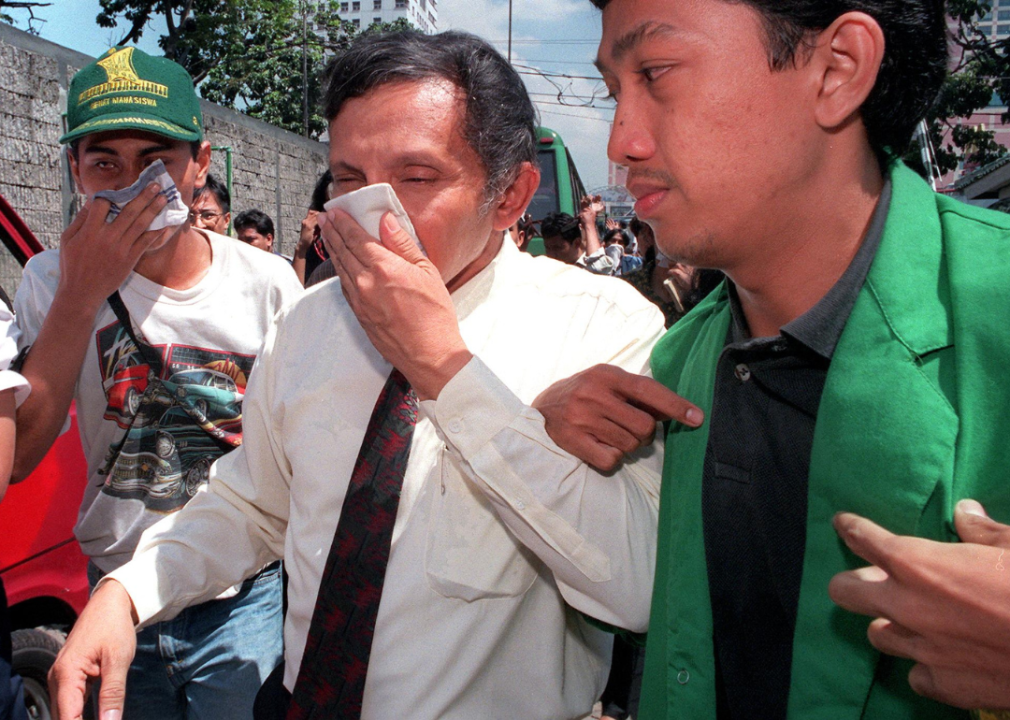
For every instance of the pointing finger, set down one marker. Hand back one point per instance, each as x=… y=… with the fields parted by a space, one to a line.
x=866 y=539
x=864 y=591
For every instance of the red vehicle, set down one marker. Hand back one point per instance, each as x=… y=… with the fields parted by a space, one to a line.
x=41 y=564
x=124 y=389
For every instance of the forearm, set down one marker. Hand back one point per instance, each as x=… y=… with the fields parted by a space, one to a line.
x=298 y=264
x=590 y=236
x=7 y=441
x=595 y=532
x=52 y=367
x=192 y=556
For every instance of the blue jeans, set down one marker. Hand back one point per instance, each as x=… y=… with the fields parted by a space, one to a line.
x=209 y=661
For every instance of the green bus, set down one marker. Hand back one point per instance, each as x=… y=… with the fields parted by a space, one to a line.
x=560 y=188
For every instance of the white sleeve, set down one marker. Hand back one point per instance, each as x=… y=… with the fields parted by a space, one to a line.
x=595 y=531
x=600 y=263
x=10 y=380
x=35 y=296
x=233 y=527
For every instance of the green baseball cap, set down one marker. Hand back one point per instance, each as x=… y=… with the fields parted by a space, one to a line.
x=127 y=89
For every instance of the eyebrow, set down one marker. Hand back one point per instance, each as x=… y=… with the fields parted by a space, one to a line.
x=109 y=151
x=633 y=38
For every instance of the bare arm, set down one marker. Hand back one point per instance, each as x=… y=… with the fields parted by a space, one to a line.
x=6 y=438
x=589 y=207
x=306 y=236
x=95 y=259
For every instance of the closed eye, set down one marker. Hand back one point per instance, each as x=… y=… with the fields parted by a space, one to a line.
x=654 y=73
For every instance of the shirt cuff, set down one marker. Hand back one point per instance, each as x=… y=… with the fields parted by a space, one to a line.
x=472 y=408
x=141 y=581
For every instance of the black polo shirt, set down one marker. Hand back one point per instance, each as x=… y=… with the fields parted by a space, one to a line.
x=754 y=492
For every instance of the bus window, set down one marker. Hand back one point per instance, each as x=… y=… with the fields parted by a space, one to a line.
x=546 y=198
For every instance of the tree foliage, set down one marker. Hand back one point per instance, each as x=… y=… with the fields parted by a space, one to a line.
x=262 y=57
x=29 y=5
x=979 y=77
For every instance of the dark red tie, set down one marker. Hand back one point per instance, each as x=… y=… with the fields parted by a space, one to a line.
x=331 y=679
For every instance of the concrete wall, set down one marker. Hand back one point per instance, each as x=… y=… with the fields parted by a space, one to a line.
x=273 y=170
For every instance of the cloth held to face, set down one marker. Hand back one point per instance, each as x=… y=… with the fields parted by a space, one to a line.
x=174 y=213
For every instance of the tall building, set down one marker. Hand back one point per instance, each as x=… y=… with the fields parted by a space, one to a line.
x=422 y=14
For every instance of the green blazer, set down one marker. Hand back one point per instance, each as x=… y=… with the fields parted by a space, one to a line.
x=915 y=416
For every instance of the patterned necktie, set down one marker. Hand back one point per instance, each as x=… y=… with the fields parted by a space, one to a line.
x=331 y=679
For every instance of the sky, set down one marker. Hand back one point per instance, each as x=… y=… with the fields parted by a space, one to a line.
x=554 y=37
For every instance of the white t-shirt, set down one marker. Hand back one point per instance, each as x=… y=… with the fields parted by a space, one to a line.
x=149 y=442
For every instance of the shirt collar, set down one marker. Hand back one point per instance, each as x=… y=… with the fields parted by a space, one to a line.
x=820 y=328
x=477 y=289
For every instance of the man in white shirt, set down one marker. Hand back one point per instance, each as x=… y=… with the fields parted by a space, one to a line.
x=159 y=384
x=503 y=543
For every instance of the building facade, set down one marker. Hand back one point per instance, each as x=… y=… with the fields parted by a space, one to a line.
x=422 y=14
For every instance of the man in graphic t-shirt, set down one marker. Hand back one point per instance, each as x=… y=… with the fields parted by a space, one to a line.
x=159 y=380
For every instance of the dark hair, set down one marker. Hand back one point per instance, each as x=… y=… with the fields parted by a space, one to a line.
x=217 y=188
x=321 y=192
x=620 y=234
x=560 y=224
x=912 y=71
x=499 y=122
x=254 y=218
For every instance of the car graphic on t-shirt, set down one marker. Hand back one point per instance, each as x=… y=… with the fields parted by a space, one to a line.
x=125 y=388
x=188 y=422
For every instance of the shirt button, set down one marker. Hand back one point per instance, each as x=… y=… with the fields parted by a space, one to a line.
x=520 y=505
x=683 y=676
x=455 y=425
x=742 y=373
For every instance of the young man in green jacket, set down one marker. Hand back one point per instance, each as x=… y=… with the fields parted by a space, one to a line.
x=850 y=364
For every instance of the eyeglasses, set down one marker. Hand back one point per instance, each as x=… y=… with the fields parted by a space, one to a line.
x=205 y=215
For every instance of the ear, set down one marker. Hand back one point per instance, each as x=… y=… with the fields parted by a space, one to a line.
x=517 y=197
x=75 y=170
x=847 y=56
x=202 y=165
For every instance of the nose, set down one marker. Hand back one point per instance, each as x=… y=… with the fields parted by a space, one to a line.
x=630 y=138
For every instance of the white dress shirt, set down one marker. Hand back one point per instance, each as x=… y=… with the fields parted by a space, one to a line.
x=501 y=538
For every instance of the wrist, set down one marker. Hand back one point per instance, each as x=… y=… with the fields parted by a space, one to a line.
x=428 y=384
x=114 y=596
x=73 y=305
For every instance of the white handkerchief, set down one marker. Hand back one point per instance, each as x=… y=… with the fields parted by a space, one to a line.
x=174 y=213
x=369 y=204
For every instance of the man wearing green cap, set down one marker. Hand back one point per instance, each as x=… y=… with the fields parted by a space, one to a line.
x=152 y=326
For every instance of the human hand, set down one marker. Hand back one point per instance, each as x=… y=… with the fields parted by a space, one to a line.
x=612 y=224
x=307 y=234
x=399 y=298
x=96 y=257
x=590 y=206
x=603 y=413
x=102 y=644
x=944 y=605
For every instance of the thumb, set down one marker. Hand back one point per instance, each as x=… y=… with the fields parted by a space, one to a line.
x=399 y=240
x=974 y=526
